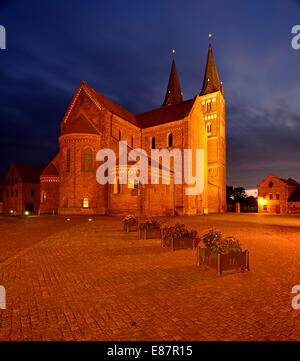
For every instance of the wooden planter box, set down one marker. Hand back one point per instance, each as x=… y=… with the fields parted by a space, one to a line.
x=180 y=243
x=130 y=228
x=222 y=262
x=154 y=232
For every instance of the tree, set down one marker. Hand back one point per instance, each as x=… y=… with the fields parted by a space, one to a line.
x=236 y=194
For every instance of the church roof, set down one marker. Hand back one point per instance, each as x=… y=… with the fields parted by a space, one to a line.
x=211 y=82
x=29 y=173
x=111 y=106
x=173 y=94
x=165 y=114
x=50 y=170
x=147 y=119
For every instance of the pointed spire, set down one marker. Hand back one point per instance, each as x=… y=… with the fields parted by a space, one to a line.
x=173 y=94
x=211 y=82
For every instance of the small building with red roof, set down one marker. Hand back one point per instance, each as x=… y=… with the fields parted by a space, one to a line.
x=278 y=195
x=21 y=191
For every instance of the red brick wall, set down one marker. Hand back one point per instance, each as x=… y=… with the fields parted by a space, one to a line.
x=17 y=203
x=50 y=202
x=157 y=200
x=79 y=184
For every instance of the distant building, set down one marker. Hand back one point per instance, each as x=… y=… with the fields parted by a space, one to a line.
x=278 y=195
x=21 y=191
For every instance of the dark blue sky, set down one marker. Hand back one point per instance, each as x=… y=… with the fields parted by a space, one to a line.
x=123 y=50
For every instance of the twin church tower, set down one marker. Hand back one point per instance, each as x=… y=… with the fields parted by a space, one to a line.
x=92 y=122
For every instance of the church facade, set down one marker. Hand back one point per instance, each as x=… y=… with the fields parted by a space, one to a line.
x=92 y=122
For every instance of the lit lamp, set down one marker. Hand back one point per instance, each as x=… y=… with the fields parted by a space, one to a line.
x=26 y=213
x=261 y=201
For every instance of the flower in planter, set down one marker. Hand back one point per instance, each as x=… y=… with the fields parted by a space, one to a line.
x=130 y=220
x=178 y=231
x=215 y=242
x=149 y=224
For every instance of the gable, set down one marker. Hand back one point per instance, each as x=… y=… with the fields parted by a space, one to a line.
x=270 y=178
x=82 y=116
x=26 y=172
x=290 y=182
x=79 y=123
x=93 y=105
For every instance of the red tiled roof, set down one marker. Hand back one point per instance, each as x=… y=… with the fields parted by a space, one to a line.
x=50 y=170
x=165 y=114
x=290 y=182
x=112 y=106
x=147 y=119
x=30 y=173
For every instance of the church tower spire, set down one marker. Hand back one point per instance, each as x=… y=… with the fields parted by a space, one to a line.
x=211 y=82
x=173 y=94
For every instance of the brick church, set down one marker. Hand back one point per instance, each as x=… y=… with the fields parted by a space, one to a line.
x=92 y=122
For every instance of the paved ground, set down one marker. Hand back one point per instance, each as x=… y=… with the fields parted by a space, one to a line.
x=82 y=280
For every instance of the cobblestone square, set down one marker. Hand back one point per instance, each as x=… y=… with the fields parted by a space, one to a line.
x=88 y=280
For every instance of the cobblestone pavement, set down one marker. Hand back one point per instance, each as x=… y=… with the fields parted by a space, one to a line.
x=90 y=281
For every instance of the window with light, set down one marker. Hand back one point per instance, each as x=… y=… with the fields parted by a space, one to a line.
x=85 y=203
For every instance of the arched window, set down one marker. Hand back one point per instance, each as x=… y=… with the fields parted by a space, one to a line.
x=88 y=160
x=119 y=135
x=85 y=203
x=170 y=140
x=43 y=197
x=153 y=143
x=208 y=106
x=208 y=128
x=68 y=160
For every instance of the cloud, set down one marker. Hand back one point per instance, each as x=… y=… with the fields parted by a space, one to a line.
x=123 y=50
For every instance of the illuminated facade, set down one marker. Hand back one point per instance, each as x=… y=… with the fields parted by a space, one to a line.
x=93 y=122
x=278 y=196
